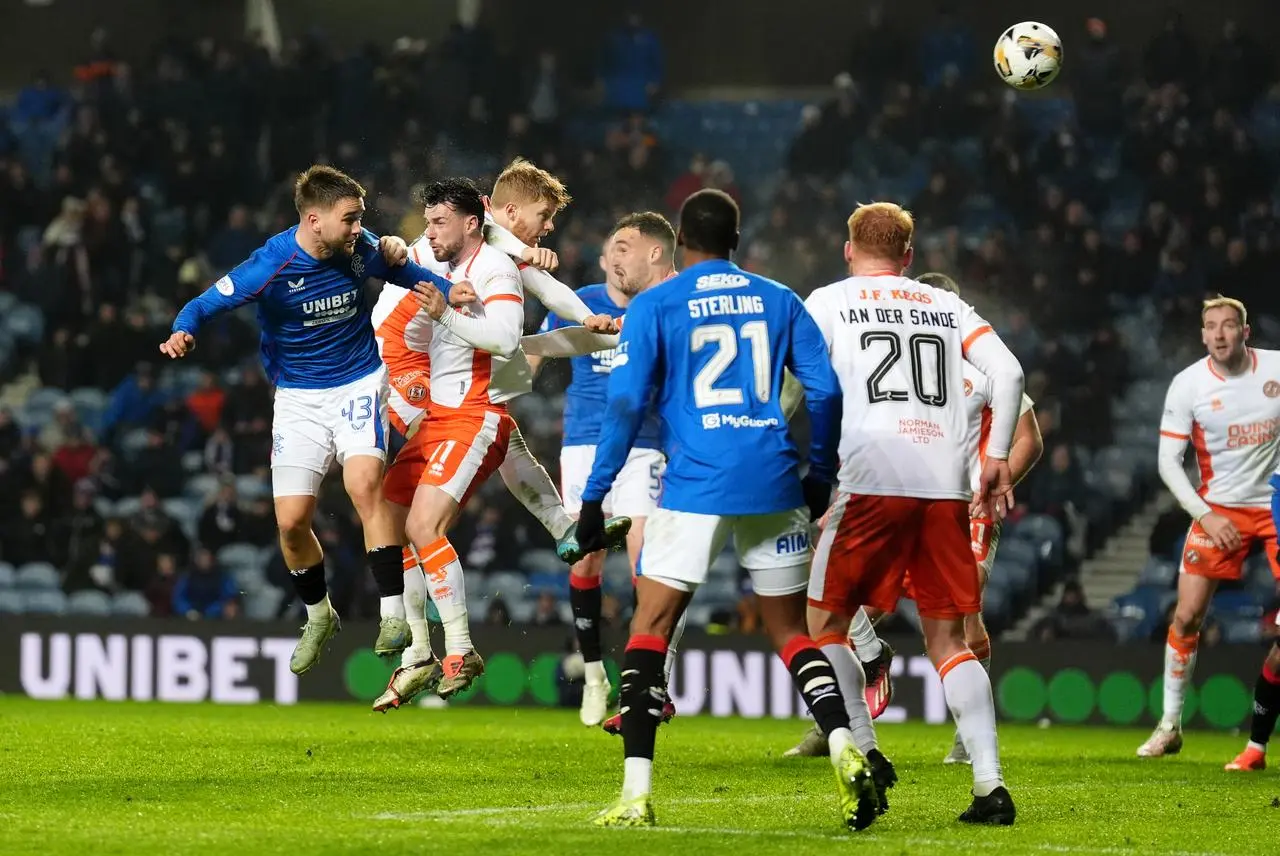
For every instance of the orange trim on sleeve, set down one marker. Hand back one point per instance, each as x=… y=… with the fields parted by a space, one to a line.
x=512 y=297
x=1175 y=435
x=974 y=336
x=1203 y=458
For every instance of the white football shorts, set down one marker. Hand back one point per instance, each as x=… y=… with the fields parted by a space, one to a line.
x=635 y=492
x=313 y=427
x=679 y=547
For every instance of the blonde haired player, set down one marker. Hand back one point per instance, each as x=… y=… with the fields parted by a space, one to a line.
x=904 y=497
x=1227 y=407
x=875 y=654
x=403 y=330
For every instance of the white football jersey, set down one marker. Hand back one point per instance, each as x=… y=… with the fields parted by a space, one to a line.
x=898 y=347
x=463 y=376
x=1233 y=423
x=977 y=397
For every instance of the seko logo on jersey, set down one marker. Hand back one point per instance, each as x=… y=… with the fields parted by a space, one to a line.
x=327 y=310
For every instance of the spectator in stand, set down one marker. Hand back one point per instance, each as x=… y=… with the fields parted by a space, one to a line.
x=206 y=402
x=222 y=519
x=631 y=67
x=29 y=537
x=162 y=586
x=205 y=591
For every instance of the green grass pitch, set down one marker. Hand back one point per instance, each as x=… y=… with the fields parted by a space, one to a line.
x=129 y=778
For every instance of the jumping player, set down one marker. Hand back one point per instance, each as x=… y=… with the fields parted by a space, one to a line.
x=330 y=399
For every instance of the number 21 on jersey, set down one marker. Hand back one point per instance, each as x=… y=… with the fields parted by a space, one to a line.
x=724 y=338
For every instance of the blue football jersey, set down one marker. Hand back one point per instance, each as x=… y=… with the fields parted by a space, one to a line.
x=584 y=400
x=316 y=332
x=714 y=342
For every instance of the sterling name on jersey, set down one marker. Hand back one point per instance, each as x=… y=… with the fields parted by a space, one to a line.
x=316 y=332
x=714 y=341
x=898 y=347
x=584 y=400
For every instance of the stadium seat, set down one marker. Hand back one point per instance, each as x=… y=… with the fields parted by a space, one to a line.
x=11 y=602
x=249 y=580
x=130 y=604
x=263 y=604
x=547 y=561
x=1158 y=572
x=240 y=555
x=89 y=602
x=1241 y=631
x=521 y=611
x=1237 y=604
x=36 y=576
x=45 y=602
x=506 y=585
x=556 y=582
x=699 y=615
x=252 y=487
x=201 y=486
x=128 y=506
x=7 y=574
x=105 y=507
x=25 y=322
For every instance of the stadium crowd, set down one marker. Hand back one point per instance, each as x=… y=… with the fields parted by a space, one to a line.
x=1142 y=189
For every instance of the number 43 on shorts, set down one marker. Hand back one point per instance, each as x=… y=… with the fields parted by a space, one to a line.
x=358 y=411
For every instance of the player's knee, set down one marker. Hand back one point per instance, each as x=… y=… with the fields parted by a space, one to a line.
x=365 y=493
x=423 y=528
x=294 y=527
x=1187 y=620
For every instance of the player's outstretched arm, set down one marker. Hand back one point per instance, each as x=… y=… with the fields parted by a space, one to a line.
x=406 y=275
x=243 y=285
x=567 y=342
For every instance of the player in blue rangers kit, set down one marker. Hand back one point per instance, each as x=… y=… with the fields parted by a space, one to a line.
x=331 y=387
x=714 y=342
x=639 y=254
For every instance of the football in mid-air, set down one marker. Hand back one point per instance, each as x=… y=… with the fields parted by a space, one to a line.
x=1028 y=55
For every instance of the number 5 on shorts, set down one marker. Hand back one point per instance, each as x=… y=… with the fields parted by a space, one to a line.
x=655 y=481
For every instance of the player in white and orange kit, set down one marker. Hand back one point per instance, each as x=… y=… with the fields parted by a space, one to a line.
x=529 y=198
x=874 y=653
x=467 y=428
x=1227 y=407
x=905 y=498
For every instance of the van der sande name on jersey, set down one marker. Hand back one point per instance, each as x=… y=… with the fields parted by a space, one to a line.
x=880 y=315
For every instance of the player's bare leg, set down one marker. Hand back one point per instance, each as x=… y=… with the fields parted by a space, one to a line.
x=383 y=541
x=305 y=561
x=1194 y=594
x=968 y=692
x=431 y=516
x=1266 y=709
x=419 y=670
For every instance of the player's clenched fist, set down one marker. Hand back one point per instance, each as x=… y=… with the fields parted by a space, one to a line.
x=395 y=251
x=178 y=345
x=430 y=299
x=601 y=324
x=541 y=258
x=461 y=294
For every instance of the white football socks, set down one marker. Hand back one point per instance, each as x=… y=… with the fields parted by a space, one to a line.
x=853 y=687
x=968 y=692
x=862 y=633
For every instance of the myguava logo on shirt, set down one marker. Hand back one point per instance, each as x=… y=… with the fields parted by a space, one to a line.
x=1271 y=389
